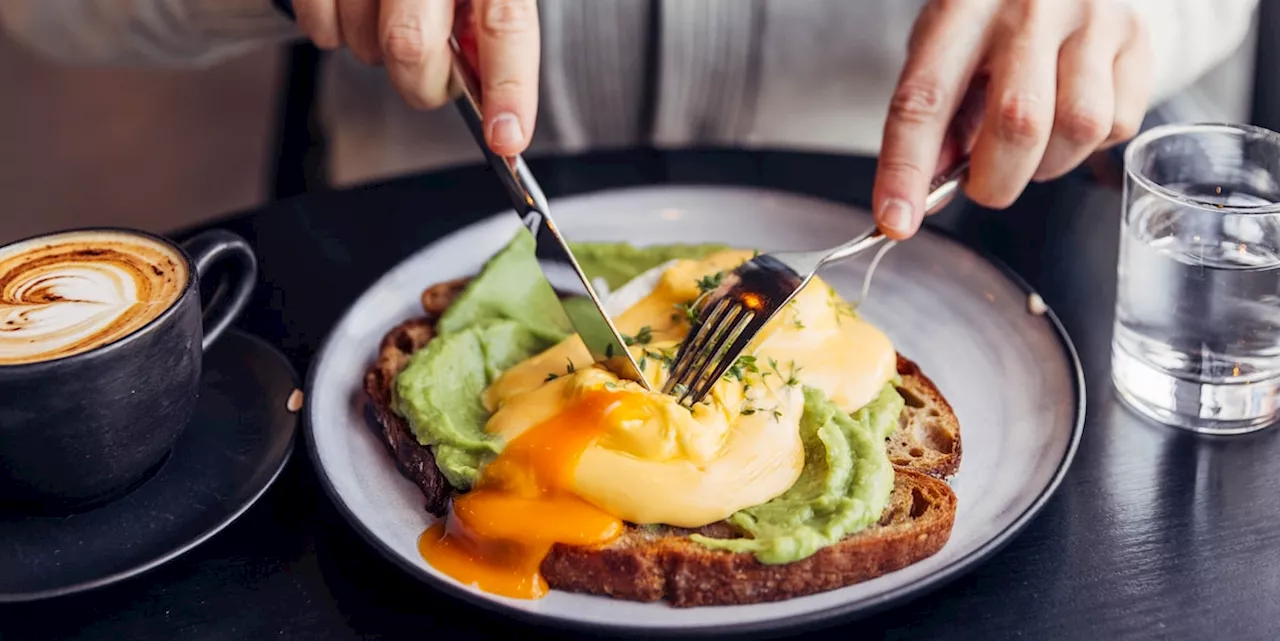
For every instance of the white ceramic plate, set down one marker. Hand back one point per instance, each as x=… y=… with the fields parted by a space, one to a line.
x=1011 y=376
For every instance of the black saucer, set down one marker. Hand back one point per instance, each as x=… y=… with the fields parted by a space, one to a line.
x=238 y=441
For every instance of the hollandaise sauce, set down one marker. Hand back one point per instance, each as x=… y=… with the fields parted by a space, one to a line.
x=496 y=536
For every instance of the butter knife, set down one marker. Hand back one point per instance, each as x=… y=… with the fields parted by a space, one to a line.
x=556 y=260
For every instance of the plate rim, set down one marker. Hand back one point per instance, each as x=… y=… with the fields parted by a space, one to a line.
x=198 y=540
x=836 y=614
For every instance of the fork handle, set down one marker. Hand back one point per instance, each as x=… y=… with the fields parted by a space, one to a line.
x=945 y=187
x=941 y=191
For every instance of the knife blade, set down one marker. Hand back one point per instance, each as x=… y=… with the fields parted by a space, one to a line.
x=557 y=262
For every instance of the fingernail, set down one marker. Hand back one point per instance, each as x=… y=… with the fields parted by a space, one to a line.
x=505 y=131
x=895 y=213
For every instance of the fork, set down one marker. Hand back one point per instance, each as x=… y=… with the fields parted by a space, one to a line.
x=731 y=315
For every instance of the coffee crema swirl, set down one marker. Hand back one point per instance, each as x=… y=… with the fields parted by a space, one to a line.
x=65 y=294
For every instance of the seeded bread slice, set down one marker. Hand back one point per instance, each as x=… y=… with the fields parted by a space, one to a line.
x=648 y=563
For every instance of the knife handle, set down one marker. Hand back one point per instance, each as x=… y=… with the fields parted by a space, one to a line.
x=524 y=190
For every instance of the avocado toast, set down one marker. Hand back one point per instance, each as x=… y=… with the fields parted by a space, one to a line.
x=653 y=562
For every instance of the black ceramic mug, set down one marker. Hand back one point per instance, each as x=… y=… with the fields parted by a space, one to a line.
x=101 y=337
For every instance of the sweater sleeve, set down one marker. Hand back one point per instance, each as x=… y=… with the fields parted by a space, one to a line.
x=144 y=32
x=1191 y=37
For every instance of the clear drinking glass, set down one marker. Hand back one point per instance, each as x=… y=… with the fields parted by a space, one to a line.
x=1197 y=331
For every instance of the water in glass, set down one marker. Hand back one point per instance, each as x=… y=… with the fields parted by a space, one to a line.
x=1197 y=333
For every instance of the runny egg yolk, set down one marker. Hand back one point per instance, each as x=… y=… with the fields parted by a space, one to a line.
x=496 y=536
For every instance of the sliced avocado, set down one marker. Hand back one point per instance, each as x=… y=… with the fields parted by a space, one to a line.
x=439 y=393
x=510 y=286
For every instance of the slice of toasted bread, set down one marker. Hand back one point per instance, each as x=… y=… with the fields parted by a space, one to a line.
x=649 y=563
x=652 y=563
x=928 y=436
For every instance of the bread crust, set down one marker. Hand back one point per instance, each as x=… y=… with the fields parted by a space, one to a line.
x=662 y=563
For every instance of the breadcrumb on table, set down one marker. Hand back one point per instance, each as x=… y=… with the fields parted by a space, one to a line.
x=1036 y=305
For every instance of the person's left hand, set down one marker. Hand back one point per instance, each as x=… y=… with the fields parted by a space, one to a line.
x=1062 y=79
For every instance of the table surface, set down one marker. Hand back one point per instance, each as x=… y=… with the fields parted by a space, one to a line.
x=1154 y=533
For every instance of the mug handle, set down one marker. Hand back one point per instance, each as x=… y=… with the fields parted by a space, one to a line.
x=206 y=250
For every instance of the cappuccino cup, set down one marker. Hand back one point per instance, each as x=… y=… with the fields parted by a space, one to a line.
x=102 y=333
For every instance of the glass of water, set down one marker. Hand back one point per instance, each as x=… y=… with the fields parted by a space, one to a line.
x=1197 y=332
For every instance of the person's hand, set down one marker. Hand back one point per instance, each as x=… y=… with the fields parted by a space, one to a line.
x=411 y=39
x=1055 y=80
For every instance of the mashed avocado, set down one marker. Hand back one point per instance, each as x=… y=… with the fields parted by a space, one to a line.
x=846 y=482
x=618 y=263
x=509 y=313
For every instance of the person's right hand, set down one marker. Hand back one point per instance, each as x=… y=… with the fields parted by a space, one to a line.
x=411 y=39
x=1051 y=82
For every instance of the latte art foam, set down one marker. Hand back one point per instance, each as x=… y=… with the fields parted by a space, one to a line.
x=69 y=293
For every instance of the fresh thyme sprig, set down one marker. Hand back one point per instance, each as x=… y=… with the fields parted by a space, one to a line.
x=568 y=370
x=841 y=308
x=643 y=337
x=710 y=282
x=687 y=312
x=746 y=364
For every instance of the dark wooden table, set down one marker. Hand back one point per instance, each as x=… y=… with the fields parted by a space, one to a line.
x=1154 y=533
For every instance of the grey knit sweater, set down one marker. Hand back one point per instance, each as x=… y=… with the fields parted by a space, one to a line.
x=795 y=74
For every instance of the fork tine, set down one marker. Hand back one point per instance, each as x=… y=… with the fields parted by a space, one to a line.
x=699 y=336
x=725 y=352
x=728 y=329
x=715 y=339
x=699 y=352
